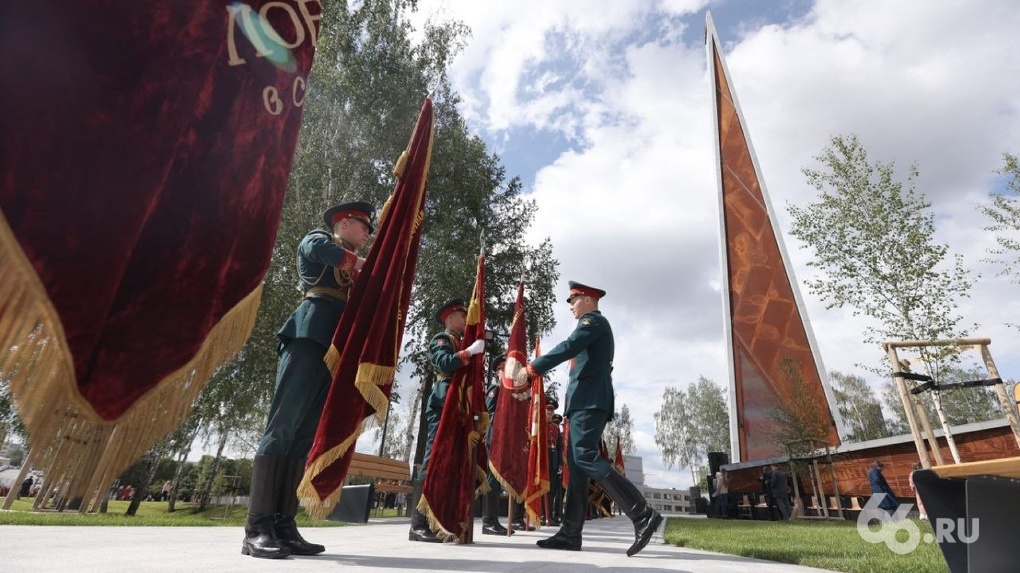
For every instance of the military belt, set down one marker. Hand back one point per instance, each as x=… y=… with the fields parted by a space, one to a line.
x=326 y=292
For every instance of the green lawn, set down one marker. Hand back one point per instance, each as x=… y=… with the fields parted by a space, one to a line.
x=149 y=513
x=833 y=545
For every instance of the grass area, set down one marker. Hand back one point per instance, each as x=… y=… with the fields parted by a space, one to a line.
x=833 y=545
x=150 y=513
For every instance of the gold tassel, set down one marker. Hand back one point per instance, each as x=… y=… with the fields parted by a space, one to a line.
x=368 y=380
x=401 y=164
x=72 y=441
x=332 y=360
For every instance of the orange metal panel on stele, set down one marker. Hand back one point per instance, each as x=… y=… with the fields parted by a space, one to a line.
x=767 y=327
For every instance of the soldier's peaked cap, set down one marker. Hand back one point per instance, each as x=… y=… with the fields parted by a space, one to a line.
x=360 y=210
x=578 y=289
x=449 y=307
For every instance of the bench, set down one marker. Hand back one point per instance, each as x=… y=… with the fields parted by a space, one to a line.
x=981 y=495
x=356 y=502
x=393 y=474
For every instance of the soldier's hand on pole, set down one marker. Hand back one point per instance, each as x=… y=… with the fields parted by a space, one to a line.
x=476 y=347
x=521 y=377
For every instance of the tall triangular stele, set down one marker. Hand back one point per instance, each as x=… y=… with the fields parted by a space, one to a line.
x=773 y=358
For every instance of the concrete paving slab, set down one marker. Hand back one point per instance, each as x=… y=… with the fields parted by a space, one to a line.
x=381 y=546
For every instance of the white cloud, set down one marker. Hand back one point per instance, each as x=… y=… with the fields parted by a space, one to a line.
x=633 y=207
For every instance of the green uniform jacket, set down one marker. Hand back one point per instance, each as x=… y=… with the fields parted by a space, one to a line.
x=327 y=271
x=591 y=347
x=445 y=356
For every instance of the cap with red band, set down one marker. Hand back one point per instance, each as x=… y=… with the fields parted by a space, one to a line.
x=449 y=307
x=578 y=289
x=359 y=210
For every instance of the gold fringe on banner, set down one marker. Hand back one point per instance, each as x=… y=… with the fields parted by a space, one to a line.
x=367 y=381
x=332 y=360
x=69 y=439
x=425 y=510
x=370 y=377
x=316 y=508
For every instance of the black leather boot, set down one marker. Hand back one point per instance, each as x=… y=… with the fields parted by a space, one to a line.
x=420 y=529
x=569 y=535
x=490 y=514
x=286 y=508
x=518 y=522
x=646 y=520
x=259 y=531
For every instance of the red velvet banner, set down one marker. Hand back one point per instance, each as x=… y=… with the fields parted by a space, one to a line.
x=508 y=457
x=144 y=153
x=366 y=344
x=538 y=448
x=458 y=466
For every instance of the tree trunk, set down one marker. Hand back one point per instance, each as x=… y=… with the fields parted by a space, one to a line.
x=142 y=491
x=206 y=491
x=182 y=459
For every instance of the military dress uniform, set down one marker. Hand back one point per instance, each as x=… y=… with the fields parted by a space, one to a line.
x=555 y=471
x=490 y=502
x=589 y=406
x=327 y=270
x=446 y=359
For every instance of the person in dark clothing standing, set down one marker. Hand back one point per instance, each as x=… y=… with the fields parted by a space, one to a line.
x=555 y=459
x=777 y=485
x=490 y=502
x=879 y=486
x=327 y=263
x=446 y=358
x=588 y=407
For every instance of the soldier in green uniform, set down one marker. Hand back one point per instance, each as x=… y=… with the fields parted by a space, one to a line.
x=589 y=405
x=490 y=503
x=327 y=263
x=555 y=456
x=446 y=358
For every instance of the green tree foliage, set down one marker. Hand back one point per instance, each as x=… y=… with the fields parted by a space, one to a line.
x=1004 y=214
x=621 y=428
x=691 y=423
x=800 y=416
x=859 y=407
x=364 y=94
x=710 y=417
x=961 y=405
x=873 y=241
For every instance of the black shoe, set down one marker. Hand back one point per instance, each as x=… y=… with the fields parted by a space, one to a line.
x=560 y=541
x=644 y=527
x=518 y=525
x=260 y=541
x=288 y=534
x=423 y=534
x=494 y=528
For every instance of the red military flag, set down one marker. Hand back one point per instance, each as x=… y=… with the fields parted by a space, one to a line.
x=618 y=463
x=458 y=466
x=508 y=457
x=538 y=450
x=144 y=155
x=366 y=345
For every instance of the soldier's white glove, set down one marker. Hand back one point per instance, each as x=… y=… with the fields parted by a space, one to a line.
x=476 y=347
x=521 y=377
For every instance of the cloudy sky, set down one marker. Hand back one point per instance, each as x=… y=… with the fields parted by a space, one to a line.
x=603 y=109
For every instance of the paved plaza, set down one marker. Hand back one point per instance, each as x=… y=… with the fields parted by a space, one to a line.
x=380 y=546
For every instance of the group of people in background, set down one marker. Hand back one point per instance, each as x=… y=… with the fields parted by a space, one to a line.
x=777 y=489
x=328 y=263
